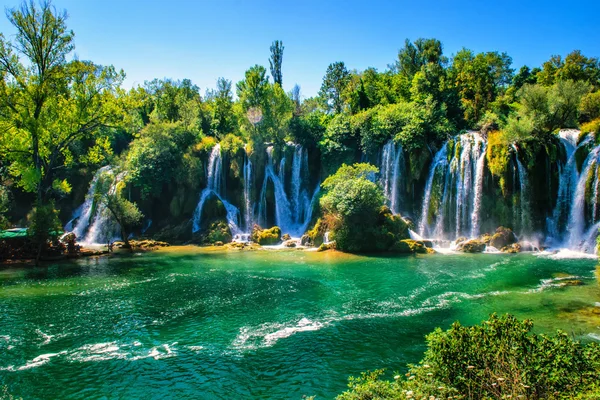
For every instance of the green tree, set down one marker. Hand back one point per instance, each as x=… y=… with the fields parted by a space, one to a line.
x=413 y=56
x=479 y=79
x=575 y=66
x=49 y=107
x=223 y=118
x=275 y=61
x=334 y=84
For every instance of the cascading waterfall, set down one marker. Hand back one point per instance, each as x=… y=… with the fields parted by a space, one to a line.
x=566 y=186
x=579 y=235
x=249 y=212
x=214 y=188
x=103 y=227
x=392 y=172
x=526 y=223
x=454 y=187
x=293 y=212
x=83 y=214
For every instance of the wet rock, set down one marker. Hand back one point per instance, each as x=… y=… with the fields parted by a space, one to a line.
x=290 y=243
x=485 y=238
x=503 y=237
x=326 y=246
x=286 y=237
x=512 y=248
x=409 y=246
x=305 y=240
x=460 y=240
x=471 y=246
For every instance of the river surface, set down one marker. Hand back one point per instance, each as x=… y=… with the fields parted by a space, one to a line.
x=190 y=323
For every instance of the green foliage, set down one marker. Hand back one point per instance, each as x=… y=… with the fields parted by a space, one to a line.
x=218 y=231
x=50 y=108
x=575 y=67
x=589 y=108
x=334 y=85
x=479 y=79
x=4 y=207
x=266 y=237
x=500 y=358
x=354 y=213
x=155 y=157
x=43 y=224
x=276 y=60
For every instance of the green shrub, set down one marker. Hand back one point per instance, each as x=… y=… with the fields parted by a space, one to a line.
x=500 y=358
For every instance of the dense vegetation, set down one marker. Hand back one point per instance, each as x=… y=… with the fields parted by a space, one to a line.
x=498 y=359
x=62 y=118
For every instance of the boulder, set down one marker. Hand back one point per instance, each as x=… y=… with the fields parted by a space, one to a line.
x=485 y=238
x=289 y=243
x=502 y=238
x=460 y=240
x=286 y=236
x=511 y=248
x=471 y=246
x=409 y=246
x=305 y=240
x=326 y=246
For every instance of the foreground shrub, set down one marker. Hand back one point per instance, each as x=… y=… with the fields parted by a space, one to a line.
x=498 y=359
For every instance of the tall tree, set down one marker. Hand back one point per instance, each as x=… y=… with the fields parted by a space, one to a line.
x=49 y=105
x=275 y=61
x=222 y=118
x=334 y=83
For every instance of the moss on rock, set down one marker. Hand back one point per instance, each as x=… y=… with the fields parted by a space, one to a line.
x=471 y=246
x=266 y=237
x=502 y=238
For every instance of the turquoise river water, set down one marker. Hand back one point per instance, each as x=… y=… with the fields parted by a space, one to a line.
x=190 y=323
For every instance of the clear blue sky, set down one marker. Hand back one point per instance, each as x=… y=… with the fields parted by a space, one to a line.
x=204 y=40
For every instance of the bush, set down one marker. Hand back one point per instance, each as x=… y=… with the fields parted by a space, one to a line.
x=266 y=237
x=500 y=358
x=354 y=212
x=44 y=225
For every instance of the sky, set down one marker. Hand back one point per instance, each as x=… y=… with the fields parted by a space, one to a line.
x=204 y=40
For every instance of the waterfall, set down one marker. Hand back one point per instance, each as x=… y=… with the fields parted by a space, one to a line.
x=214 y=188
x=526 y=223
x=88 y=212
x=440 y=161
x=293 y=212
x=567 y=184
x=103 y=227
x=478 y=195
x=392 y=171
x=578 y=237
x=454 y=187
x=248 y=194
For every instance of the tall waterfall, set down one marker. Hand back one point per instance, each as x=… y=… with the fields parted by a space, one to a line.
x=566 y=186
x=452 y=199
x=248 y=209
x=91 y=222
x=525 y=201
x=294 y=211
x=580 y=235
x=214 y=188
x=392 y=172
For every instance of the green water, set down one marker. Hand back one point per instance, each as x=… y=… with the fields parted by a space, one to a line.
x=267 y=324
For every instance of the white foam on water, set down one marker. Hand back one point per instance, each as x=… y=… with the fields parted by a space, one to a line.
x=565 y=254
x=594 y=336
x=303 y=325
x=553 y=283
x=196 y=348
x=39 y=361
